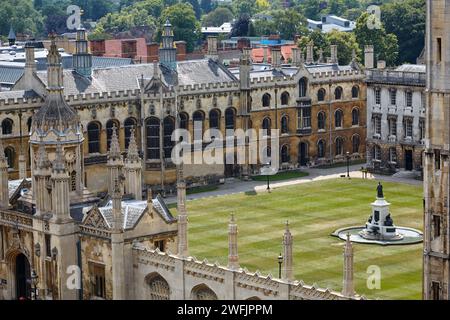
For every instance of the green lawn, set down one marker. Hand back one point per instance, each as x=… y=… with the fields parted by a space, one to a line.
x=314 y=210
x=285 y=175
x=201 y=189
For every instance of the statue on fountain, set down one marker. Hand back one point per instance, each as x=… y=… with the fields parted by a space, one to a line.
x=380 y=225
x=380 y=191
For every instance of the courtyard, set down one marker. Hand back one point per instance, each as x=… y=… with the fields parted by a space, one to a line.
x=314 y=210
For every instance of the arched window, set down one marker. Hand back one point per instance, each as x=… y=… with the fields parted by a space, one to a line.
x=7 y=126
x=10 y=155
x=355 y=143
x=338 y=115
x=339 y=146
x=302 y=87
x=214 y=119
x=73 y=181
x=152 y=134
x=321 y=149
x=109 y=131
x=284 y=124
x=29 y=123
x=355 y=92
x=230 y=118
x=321 y=119
x=285 y=98
x=184 y=120
x=355 y=117
x=321 y=94
x=129 y=124
x=338 y=93
x=158 y=287
x=266 y=125
x=93 y=129
x=203 y=292
x=266 y=100
x=198 y=117
x=169 y=127
x=285 y=154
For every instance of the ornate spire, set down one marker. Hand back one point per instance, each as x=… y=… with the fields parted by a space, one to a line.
x=287 y=248
x=348 y=287
x=233 y=257
x=114 y=148
x=133 y=152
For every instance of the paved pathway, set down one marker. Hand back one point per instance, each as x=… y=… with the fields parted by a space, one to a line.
x=238 y=186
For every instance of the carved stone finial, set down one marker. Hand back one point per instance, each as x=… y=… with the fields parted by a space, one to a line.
x=114 y=149
x=133 y=152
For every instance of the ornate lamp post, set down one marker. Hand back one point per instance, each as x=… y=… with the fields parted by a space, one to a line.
x=280 y=262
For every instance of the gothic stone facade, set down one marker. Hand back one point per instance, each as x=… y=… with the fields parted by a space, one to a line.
x=319 y=108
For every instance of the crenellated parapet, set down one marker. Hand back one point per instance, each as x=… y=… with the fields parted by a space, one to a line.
x=338 y=76
x=220 y=278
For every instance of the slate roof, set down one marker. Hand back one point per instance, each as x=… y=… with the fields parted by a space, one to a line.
x=127 y=77
x=9 y=74
x=421 y=68
x=132 y=211
x=28 y=94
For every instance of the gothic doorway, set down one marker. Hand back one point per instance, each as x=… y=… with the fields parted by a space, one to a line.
x=23 y=277
x=408 y=160
x=303 y=154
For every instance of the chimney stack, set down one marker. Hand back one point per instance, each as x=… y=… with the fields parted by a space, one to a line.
x=212 y=48
x=276 y=57
x=310 y=53
x=334 y=57
x=296 y=57
x=381 y=64
x=265 y=55
x=368 y=57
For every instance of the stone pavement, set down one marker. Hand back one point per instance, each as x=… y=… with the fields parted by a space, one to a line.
x=238 y=186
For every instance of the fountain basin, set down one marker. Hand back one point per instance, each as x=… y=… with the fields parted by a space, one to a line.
x=404 y=236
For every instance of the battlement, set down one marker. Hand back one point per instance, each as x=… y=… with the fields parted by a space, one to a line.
x=339 y=75
x=208 y=87
x=22 y=102
x=243 y=280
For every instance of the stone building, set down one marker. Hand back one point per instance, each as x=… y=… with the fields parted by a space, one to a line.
x=106 y=130
x=436 y=171
x=395 y=118
x=319 y=108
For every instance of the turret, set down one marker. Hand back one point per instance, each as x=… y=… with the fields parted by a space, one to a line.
x=233 y=257
x=348 y=286
x=168 y=52
x=288 y=258
x=82 y=59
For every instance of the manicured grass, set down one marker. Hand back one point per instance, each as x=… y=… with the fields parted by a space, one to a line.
x=314 y=211
x=285 y=175
x=201 y=189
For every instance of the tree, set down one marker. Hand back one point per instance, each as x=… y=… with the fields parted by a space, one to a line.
x=196 y=6
x=123 y=21
x=241 y=26
x=153 y=7
x=244 y=7
x=289 y=23
x=312 y=9
x=185 y=26
x=217 y=17
x=206 y=6
x=319 y=40
x=385 y=45
x=409 y=29
x=346 y=43
x=22 y=15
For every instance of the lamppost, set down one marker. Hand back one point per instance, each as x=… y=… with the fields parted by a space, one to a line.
x=280 y=262
x=34 y=281
x=347 y=155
